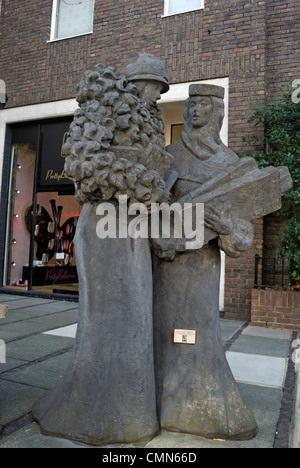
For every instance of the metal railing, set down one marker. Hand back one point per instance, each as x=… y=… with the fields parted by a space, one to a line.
x=271 y=272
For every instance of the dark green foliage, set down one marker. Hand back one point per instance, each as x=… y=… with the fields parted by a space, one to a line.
x=279 y=145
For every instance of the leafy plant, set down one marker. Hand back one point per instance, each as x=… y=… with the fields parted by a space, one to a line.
x=279 y=145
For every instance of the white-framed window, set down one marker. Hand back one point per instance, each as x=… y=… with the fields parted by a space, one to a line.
x=174 y=7
x=71 y=18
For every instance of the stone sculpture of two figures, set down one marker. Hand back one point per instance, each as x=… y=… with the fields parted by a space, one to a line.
x=128 y=377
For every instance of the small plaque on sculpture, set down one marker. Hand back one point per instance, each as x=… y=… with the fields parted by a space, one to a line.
x=185 y=336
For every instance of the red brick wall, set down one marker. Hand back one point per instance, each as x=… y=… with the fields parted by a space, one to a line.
x=38 y=71
x=239 y=274
x=283 y=45
x=275 y=309
x=273 y=229
x=214 y=42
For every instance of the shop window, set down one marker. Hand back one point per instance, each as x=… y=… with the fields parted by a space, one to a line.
x=174 y=7
x=42 y=212
x=71 y=18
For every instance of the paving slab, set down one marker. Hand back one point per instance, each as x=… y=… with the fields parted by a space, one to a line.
x=45 y=374
x=256 y=369
x=252 y=344
x=227 y=332
x=53 y=306
x=229 y=328
x=35 y=363
x=16 y=400
x=69 y=331
x=38 y=346
x=30 y=437
x=57 y=320
x=10 y=297
x=18 y=330
x=231 y=323
x=267 y=332
x=11 y=363
x=17 y=315
x=27 y=302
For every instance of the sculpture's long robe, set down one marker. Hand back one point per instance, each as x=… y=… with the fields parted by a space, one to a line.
x=196 y=390
x=107 y=394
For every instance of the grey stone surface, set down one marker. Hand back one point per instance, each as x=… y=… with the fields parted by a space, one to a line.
x=267 y=333
x=259 y=345
x=228 y=331
x=196 y=390
x=31 y=437
x=45 y=374
x=16 y=400
x=257 y=369
x=36 y=346
x=13 y=330
x=115 y=147
x=116 y=140
x=265 y=404
x=23 y=303
x=9 y=297
x=107 y=394
x=11 y=363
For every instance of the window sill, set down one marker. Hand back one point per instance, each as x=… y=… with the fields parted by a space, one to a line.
x=182 y=12
x=69 y=37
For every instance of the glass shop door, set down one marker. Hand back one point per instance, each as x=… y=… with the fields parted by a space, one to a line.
x=18 y=230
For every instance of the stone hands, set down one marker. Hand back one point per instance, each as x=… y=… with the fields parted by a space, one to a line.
x=167 y=248
x=235 y=236
x=216 y=221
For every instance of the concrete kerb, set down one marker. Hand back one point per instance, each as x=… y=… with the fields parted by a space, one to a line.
x=295 y=439
x=3 y=313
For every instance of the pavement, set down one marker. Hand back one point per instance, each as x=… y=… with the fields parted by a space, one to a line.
x=36 y=341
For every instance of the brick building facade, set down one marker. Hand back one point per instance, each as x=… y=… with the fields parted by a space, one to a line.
x=248 y=42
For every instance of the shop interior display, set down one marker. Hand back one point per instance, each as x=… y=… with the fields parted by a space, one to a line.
x=54 y=243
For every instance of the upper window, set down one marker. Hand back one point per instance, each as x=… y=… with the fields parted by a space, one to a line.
x=71 y=18
x=173 y=7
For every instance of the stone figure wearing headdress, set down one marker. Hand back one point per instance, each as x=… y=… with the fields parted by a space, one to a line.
x=196 y=390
